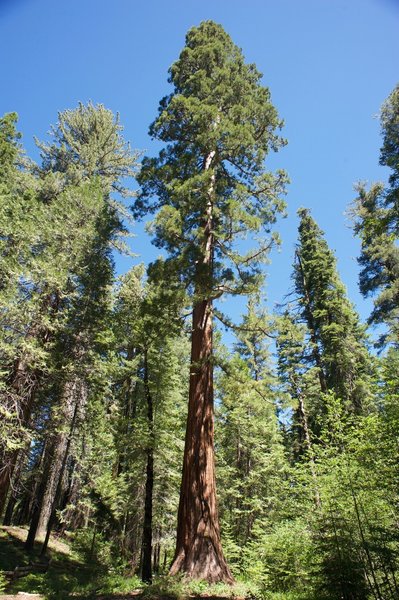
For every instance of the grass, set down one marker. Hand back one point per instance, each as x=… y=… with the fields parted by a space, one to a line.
x=177 y=588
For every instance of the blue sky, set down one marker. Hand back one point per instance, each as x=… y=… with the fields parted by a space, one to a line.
x=328 y=63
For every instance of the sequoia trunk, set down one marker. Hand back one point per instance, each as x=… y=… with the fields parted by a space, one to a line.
x=198 y=550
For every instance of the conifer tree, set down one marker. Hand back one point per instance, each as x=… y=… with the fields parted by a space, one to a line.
x=60 y=222
x=158 y=322
x=337 y=339
x=22 y=335
x=149 y=397
x=376 y=221
x=249 y=449
x=210 y=187
x=89 y=156
x=300 y=381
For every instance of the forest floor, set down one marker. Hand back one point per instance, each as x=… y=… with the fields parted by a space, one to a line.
x=58 y=575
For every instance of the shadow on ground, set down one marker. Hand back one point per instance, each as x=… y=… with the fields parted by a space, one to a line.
x=64 y=577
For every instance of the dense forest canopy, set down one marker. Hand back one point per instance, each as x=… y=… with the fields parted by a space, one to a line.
x=124 y=416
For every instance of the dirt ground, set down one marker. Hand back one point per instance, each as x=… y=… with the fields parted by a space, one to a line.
x=21 y=596
x=21 y=533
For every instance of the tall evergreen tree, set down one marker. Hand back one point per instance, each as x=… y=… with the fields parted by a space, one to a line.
x=210 y=188
x=148 y=394
x=87 y=158
x=22 y=333
x=376 y=222
x=337 y=339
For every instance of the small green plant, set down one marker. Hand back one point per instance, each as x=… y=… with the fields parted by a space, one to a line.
x=34 y=583
x=119 y=584
x=3 y=582
x=169 y=587
x=92 y=548
x=197 y=587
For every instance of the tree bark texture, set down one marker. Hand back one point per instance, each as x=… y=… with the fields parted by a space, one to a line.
x=16 y=486
x=59 y=482
x=199 y=552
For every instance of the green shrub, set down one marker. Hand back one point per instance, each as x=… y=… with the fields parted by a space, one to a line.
x=3 y=582
x=280 y=560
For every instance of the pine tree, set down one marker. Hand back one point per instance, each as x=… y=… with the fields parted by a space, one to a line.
x=337 y=339
x=210 y=187
x=376 y=220
x=22 y=335
x=88 y=156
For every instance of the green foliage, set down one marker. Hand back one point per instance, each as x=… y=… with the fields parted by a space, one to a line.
x=87 y=143
x=218 y=125
x=250 y=454
x=338 y=340
x=375 y=222
x=57 y=231
x=180 y=589
x=3 y=582
x=279 y=558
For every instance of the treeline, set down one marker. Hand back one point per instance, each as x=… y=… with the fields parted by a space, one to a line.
x=96 y=369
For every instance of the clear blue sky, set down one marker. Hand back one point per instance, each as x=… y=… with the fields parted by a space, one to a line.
x=328 y=63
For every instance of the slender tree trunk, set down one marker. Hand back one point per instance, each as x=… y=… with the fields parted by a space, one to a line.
x=129 y=409
x=59 y=482
x=16 y=487
x=30 y=540
x=23 y=383
x=72 y=517
x=309 y=447
x=29 y=498
x=74 y=395
x=146 y=572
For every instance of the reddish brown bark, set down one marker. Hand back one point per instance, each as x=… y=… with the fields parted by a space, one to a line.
x=199 y=552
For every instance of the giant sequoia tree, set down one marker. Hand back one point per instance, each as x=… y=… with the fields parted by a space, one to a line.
x=210 y=188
